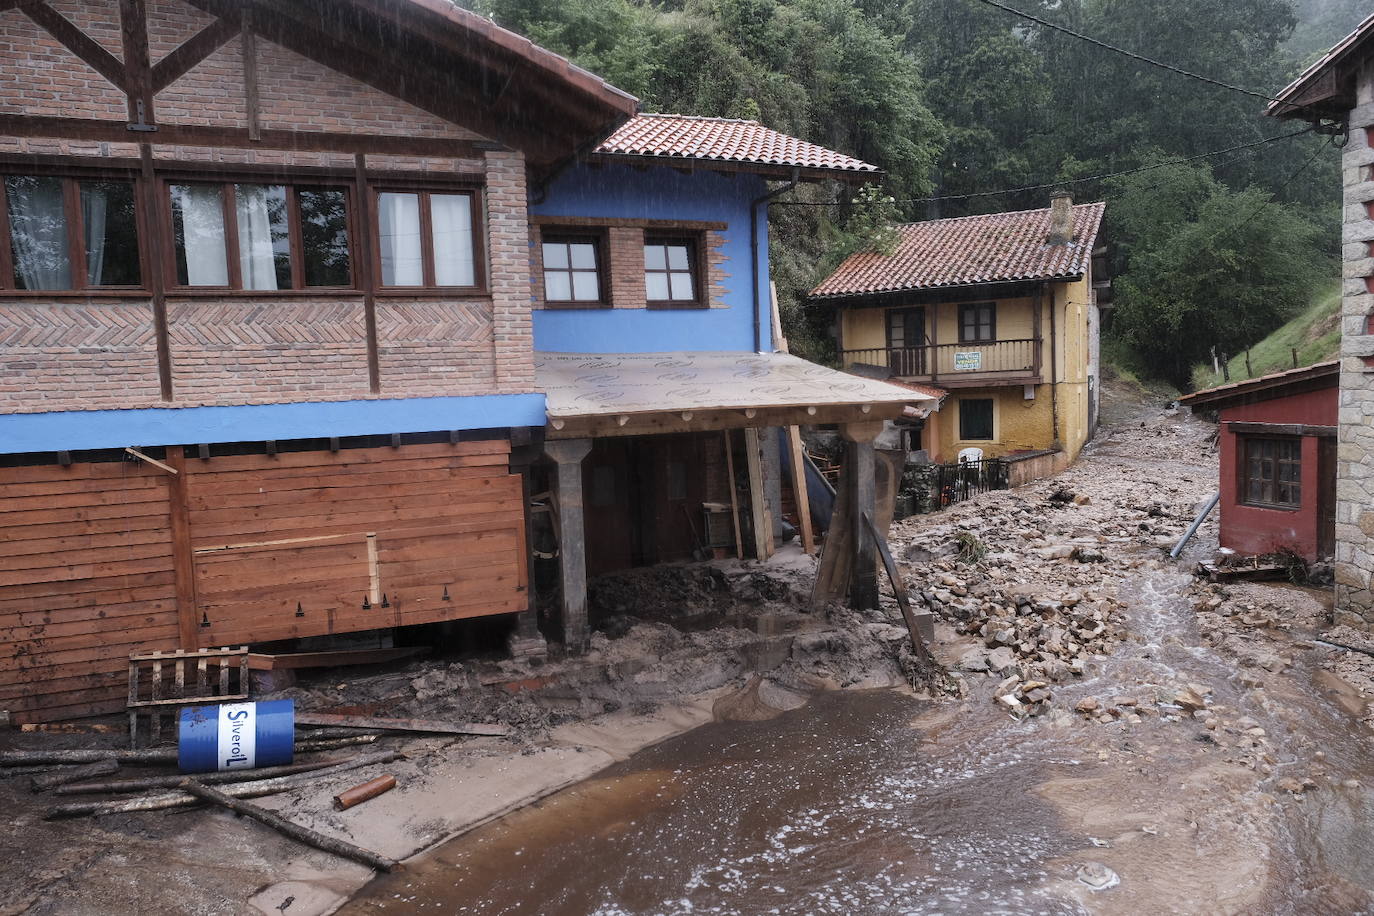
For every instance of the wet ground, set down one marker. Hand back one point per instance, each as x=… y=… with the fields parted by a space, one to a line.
x=891 y=802
x=879 y=802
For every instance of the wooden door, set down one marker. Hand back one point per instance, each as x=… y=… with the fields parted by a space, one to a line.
x=906 y=341
x=610 y=490
x=1326 y=496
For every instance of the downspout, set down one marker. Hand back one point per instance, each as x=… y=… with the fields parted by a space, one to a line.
x=754 y=250
x=1054 y=368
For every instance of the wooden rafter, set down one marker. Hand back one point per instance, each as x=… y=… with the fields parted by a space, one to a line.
x=191 y=52
x=76 y=41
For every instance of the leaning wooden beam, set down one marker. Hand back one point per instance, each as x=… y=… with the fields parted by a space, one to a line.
x=295 y=831
x=433 y=726
x=47 y=781
x=144 y=783
x=894 y=575
x=181 y=799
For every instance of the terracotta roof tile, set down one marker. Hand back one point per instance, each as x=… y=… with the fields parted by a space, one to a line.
x=969 y=250
x=1283 y=104
x=725 y=140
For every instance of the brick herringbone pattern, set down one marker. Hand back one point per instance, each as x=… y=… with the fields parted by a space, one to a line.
x=79 y=325
x=433 y=322
x=198 y=324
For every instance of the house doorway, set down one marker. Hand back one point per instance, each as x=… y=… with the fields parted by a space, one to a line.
x=906 y=341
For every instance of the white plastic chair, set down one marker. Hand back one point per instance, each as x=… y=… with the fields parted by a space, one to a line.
x=970 y=454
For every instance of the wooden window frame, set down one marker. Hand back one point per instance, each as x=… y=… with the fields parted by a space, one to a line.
x=600 y=240
x=71 y=179
x=425 y=188
x=992 y=432
x=294 y=236
x=991 y=323
x=695 y=242
x=1243 y=477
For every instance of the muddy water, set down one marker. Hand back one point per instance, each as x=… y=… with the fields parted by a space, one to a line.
x=875 y=802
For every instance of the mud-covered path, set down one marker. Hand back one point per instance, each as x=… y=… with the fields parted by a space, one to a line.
x=1251 y=800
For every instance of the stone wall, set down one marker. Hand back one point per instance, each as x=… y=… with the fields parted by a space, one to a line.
x=1355 y=455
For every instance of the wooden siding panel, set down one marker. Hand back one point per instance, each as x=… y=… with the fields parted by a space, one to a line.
x=87 y=570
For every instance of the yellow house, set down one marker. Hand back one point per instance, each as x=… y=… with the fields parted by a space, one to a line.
x=998 y=311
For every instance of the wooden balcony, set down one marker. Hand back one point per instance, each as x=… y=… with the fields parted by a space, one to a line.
x=1001 y=362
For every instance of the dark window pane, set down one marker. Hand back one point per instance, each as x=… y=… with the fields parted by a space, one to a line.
x=324 y=237
x=975 y=419
x=38 y=232
x=107 y=217
x=198 y=234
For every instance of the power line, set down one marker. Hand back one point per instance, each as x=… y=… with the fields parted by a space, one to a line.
x=1070 y=181
x=1131 y=54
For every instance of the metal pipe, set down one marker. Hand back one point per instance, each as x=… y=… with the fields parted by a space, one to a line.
x=1197 y=523
x=754 y=249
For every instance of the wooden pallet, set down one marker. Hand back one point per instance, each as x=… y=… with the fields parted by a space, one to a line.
x=162 y=683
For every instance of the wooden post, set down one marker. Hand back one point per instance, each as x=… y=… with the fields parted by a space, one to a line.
x=249 y=48
x=758 y=504
x=1295 y=356
x=365 y=272
x=1249 y=372
x=183 y=557
x=734 y=494
x=567 y=454
x=861 y=474
x=799 y=493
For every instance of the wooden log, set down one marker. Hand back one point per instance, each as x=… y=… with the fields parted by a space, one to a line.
x=433 y=726
x=142 y=784
x=321 y=734
x=364 y=792
x=182 y=799
x=894 y=575
x=47 y=781
x=330 y=744
x=288 y=828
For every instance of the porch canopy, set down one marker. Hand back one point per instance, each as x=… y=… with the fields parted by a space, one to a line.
x=635 y=394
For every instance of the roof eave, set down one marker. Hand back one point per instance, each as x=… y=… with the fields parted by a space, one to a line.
x=769 y=169
x=897 y=291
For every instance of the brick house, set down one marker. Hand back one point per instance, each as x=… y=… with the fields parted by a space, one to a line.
x=1336 y=94
x=275 y=317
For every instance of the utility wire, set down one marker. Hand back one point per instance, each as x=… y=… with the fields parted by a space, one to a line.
x=1264 y=204
x=1059 y=184
x=1131 y=54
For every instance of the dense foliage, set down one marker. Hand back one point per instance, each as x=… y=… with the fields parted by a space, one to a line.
x=955 y=99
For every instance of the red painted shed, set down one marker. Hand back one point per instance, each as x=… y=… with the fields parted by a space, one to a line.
x=1278 y=460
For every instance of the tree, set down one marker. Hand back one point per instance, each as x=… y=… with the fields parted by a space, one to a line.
x=1209 y=267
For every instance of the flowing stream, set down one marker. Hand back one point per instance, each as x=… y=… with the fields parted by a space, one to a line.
x=876 y=802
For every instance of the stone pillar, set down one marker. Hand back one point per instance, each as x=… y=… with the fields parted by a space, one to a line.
x=1355 y=450
x=861 y=474
x=567 y=454
x=772 y=480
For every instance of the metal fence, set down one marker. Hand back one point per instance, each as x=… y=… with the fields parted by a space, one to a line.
x=932 y=487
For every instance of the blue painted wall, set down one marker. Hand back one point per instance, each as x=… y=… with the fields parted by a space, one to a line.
x=96 y=429
x=662 y=193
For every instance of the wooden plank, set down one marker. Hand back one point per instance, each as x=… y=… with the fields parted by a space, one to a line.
x=236 y=529
x=248 y=48
x=84 y=470
x=77 y=41
x=107 y=497
x=332 y=658
x=63 y=558
x=241 y=484
x=356 y=456
x=309 y=498
x=85 y=593
x=427 y=726
x=800 y=496
x=62 y=486
x=357 y=510
x=894 y=575
x=128 y=510
x=95 y=527
x=758 y=506
x=84 y=571
x=90 y=542
x=734 y=493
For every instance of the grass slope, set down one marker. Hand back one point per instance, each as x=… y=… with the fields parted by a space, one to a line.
x=1315 y=333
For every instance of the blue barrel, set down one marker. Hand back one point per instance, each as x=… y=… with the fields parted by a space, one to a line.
x=236 y=736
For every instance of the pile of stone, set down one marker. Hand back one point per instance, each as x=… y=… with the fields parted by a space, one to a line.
x=1172 y=704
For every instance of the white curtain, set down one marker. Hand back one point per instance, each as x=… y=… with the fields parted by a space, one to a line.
x=93 y=208
x=398 y=216
x=253 y=205
x=451 y=219
x=38 y=229
x=202 y=220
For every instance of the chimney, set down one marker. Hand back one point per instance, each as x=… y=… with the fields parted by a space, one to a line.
x=1061 y=219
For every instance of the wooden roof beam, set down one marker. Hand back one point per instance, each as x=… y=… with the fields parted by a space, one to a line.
x=76 y=41
x=191 y=52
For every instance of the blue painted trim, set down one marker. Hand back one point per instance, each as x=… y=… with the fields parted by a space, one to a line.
x=95 y=429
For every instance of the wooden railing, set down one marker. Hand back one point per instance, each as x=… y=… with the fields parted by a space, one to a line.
x=997 y=359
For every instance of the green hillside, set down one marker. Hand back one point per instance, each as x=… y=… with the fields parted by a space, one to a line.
x=1315 y=333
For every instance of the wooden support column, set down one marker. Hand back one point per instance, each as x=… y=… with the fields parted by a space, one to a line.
x=249 y=48
x=567 y=455
x=861 y=476
x=365 y=273
x=760 y=518
x=133 y=21
x=183 y=558
x=800 y=496
x=526 y=641
x=153 y=268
